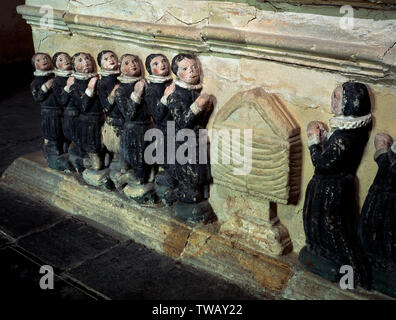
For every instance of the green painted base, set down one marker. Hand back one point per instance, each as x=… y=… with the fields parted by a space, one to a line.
x=194 y=212
x=321 y=266
x=60 y=163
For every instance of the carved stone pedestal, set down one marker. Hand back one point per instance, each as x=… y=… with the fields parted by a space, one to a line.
x=255 y=224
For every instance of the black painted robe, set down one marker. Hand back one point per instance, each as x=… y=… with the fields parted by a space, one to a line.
x=137 y=122
x=90 y=119
x=179 y=102
x=378 y=217
x=330 y=207
x=50 y=114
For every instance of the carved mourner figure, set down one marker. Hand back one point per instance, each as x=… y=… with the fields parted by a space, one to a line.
x=91 y=116
x=378 y=218
x=42 y=89
x=330 y=208
x=129 y=100
x=112 y=128
x=159 y=88
x=190 y=110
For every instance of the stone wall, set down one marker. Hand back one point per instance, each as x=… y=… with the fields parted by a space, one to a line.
x=299 y=52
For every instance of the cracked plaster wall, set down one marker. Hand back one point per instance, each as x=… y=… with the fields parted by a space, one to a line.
x=306 y=91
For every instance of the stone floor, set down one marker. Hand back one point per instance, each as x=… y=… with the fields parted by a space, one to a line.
x=88 y=263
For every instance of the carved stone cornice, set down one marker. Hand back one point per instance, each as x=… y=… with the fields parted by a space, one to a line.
x=356 y=60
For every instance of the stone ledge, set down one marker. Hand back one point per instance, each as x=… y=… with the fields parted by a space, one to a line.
x=157 y=228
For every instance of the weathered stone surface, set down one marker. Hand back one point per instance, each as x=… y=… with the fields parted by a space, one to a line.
x=67 y=243
x=134 y=264
x=248 y=268
x=304 y=286
x=20 y=279
x=201 y=246
x=16 y=222
x=97 y=178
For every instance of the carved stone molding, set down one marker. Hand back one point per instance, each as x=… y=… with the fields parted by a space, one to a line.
x=356 y=60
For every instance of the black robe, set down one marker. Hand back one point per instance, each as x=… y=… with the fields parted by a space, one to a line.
x=191 y=176
x=330 y=207
x=378 y=217
x=159 y=112
x=50 y=114
x=137 y=122
x=90 y=119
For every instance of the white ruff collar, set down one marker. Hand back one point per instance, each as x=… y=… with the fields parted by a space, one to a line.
x=349 y=122
x=188 y=86
x=126 y=79
x=40 y=73
x=105 y=73
x=62 y=73
x=83 y=76
x=159 y=79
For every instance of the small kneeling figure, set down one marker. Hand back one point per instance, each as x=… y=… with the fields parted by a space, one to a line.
x=190 y=109
x=330 y=207
x=378 y=217
x=51 y=113
x=130 y=102
x=91 y=118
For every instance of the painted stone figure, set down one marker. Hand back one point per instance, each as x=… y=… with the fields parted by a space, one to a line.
x=155 y=96
x=50 y=115
x=190 y=109
x=129 y=100
x=378 y=217
x=91 y=117
x=112 y=128
x=330 y=208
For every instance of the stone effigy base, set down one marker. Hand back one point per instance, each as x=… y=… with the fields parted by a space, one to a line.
x=156 y=226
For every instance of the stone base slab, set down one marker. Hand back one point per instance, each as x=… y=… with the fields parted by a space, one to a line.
x=157 y=227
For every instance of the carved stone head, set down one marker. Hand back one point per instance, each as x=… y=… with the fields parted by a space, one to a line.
x=186 y=68
x=107 y=60
x=62 y=61
x=131 y=65
x=351 y=99
x=42 y=61
x=83 y=63
x=158 y=65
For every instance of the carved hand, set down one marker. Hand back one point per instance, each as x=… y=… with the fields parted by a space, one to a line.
x=169 y=90
x=114 y=90
x=49 y=83
x=317 y=128
x=92 y=83
x=203 y=101
x=139 y=87
x=382 y=141
x=70 y=82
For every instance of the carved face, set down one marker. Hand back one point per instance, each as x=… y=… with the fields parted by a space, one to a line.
x=63 y=62
x=188 y=71
x=160 y=66
x=109 y=61
x=336 y=101
x=83 y=63
x=42 y=62
x=130 y=66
